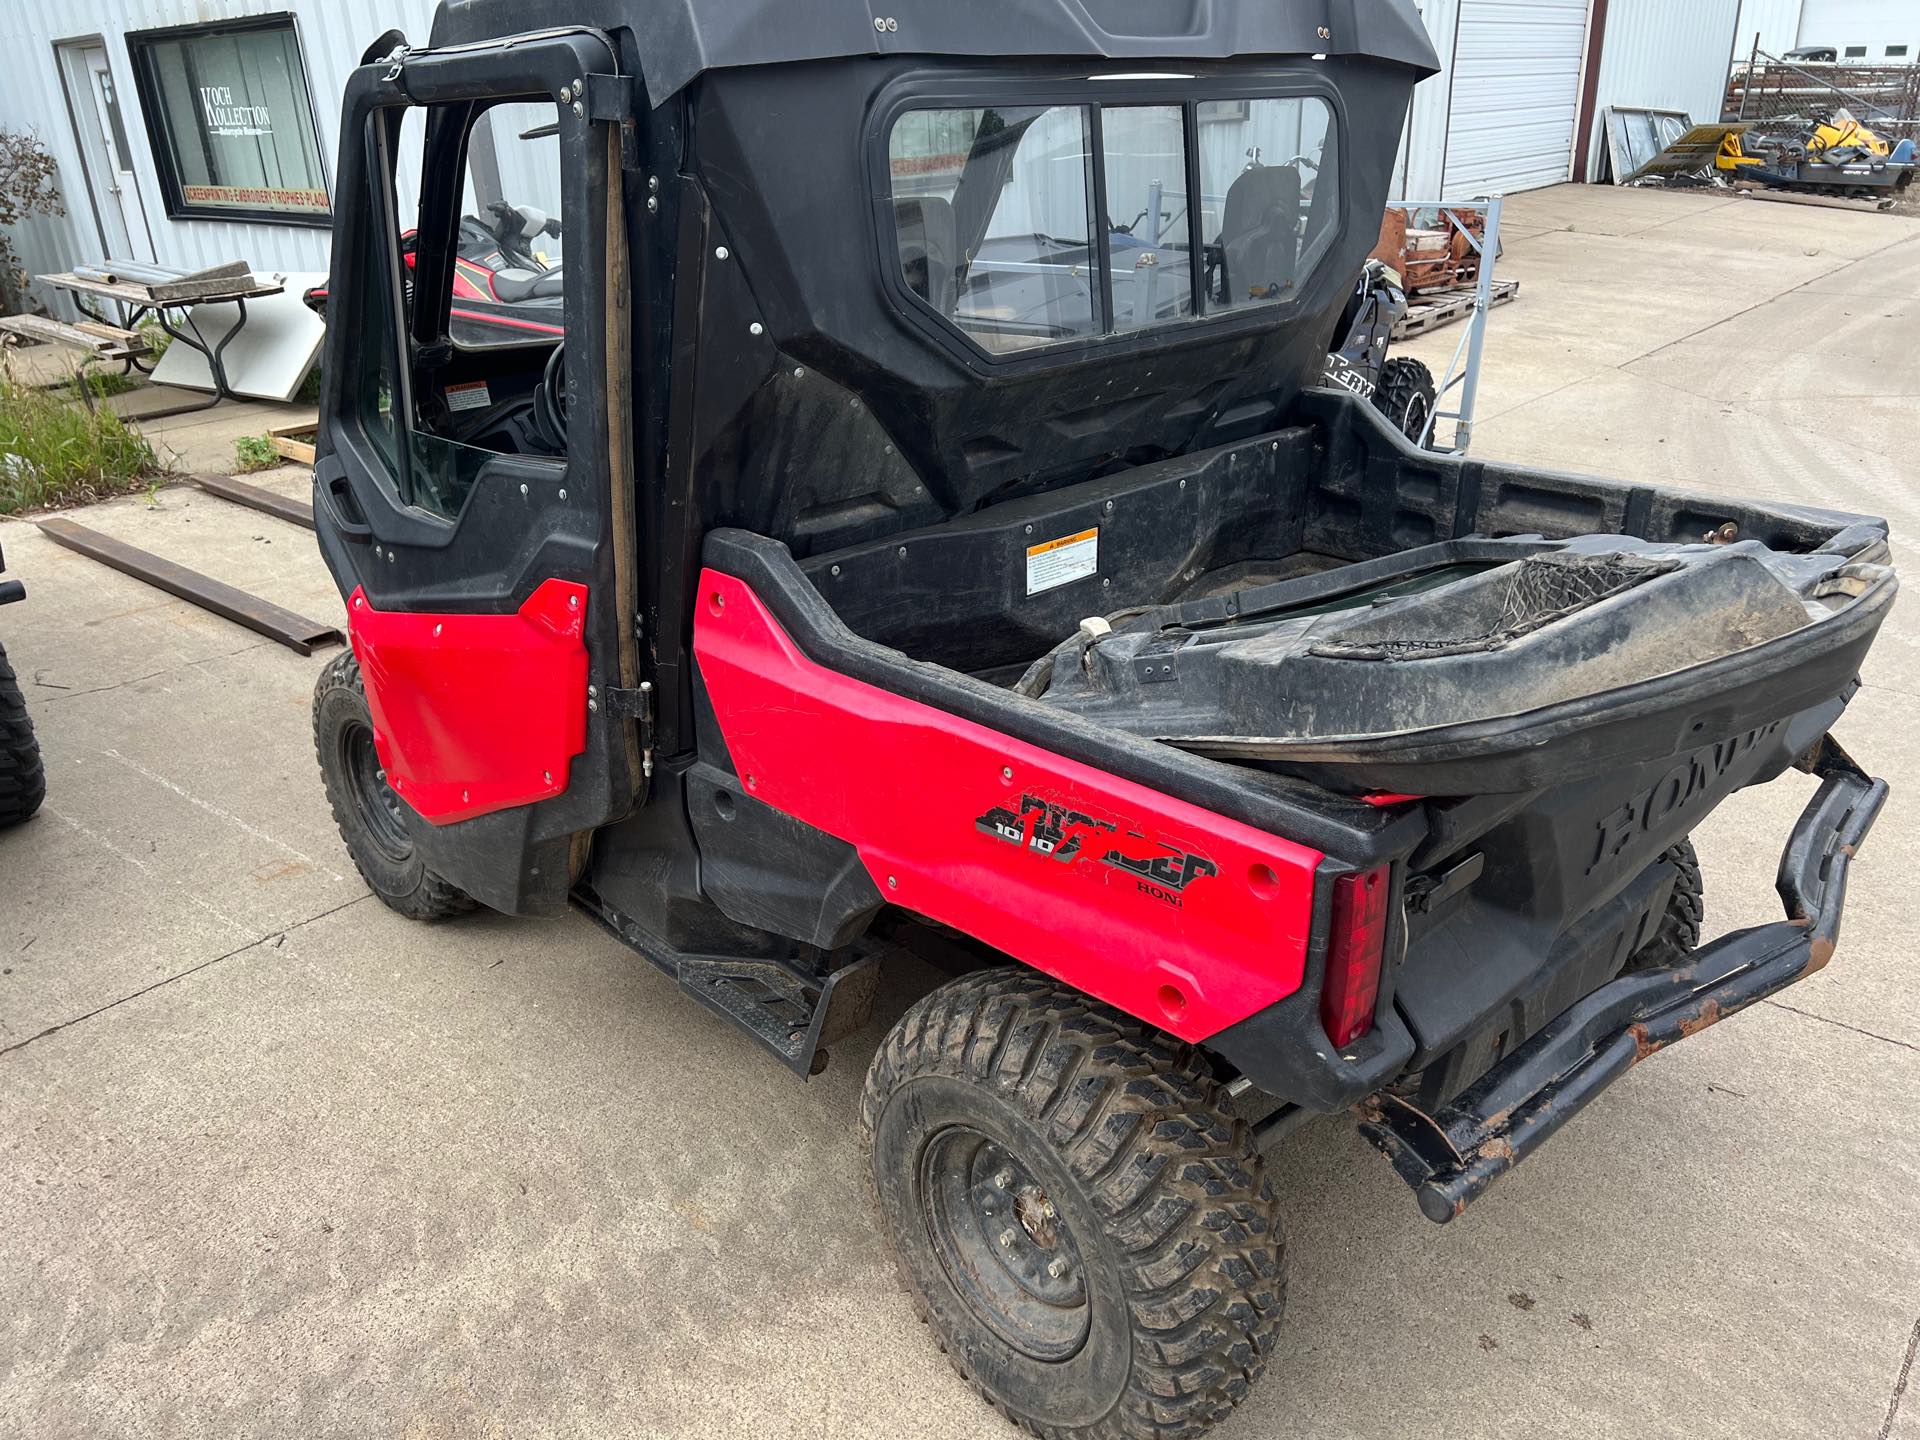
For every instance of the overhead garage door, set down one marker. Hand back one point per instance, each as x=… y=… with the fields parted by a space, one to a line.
x=1515 y=92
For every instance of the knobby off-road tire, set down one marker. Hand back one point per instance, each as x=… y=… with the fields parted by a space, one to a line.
x=23 y=777
x=1405 y=395
x=1679 y=930
x=1088 y=1231
x=365 y=807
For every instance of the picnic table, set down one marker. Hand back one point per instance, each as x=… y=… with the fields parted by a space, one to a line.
x=141 y=290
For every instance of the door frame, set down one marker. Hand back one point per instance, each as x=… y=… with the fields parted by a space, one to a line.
x=509 y=538
x=78 y=44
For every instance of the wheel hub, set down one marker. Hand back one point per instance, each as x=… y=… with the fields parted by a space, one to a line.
x=1004 y=1244
x=378 y=805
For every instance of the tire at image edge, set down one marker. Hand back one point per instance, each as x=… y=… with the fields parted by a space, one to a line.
x=23 y=772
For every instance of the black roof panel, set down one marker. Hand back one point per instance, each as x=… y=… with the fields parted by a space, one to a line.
x=678 y=40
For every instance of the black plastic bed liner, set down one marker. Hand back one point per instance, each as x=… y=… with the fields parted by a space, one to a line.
x=1483 y=665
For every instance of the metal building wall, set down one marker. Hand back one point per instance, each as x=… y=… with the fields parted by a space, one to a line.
x=1522 y=84
x=1515 y=98
x=1874 y=24
x=333 y=33
x=1664 y=57
x=1776 y=22
x=1423 y=148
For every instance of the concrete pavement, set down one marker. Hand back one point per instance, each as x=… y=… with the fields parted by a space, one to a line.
x=276 y=1162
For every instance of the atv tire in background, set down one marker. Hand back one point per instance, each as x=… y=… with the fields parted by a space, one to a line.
x=23 y=776
x=1405 y=395
x=364 y=805
x=1679 y=930
x=1086 y=1227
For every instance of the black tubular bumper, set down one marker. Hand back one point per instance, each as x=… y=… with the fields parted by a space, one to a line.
x=1453 y=1154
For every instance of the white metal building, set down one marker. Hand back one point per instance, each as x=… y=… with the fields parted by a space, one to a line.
x=1861 y=31
x=1522 y=97
x=109 y=86
x=192 y=132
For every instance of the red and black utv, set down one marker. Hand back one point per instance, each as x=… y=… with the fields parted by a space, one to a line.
x=929 y=526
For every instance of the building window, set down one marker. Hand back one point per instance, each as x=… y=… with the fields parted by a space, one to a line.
x=1896 y=52
x=1855 y=52
x=231 y=124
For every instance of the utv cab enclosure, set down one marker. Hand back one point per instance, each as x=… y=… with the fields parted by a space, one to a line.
x=901 y=516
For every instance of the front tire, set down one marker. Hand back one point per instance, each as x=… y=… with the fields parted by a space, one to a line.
x=1405 y=395
x=23 y=776
x=1085 y=1226
x=365 y=808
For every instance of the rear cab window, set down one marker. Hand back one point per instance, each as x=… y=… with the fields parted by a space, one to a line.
x=1024 y=227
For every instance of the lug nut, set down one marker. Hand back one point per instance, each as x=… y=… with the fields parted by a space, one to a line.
x=1003 y=1179
x=1056 y=1267
x=1046 y=1208
x=1006 y=1238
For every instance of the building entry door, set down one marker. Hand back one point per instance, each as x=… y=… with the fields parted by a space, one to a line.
x=100 y=128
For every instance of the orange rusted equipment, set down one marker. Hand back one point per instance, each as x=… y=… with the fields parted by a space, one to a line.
x=1436 y=254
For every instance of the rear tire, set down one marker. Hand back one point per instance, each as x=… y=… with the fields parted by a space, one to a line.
x=1405 y=395
x=1085 y=1226
x=365 y=808
x=23 y=776
x=1679 y=930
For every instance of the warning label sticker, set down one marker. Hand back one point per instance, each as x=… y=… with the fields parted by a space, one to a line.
x=469 y=396
x=1059 y=562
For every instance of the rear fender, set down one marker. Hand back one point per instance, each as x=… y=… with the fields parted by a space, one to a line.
x=1179 y=916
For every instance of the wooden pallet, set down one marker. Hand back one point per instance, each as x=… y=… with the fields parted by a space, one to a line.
x=1442 y=307
x=103 y=342
x=293 y=442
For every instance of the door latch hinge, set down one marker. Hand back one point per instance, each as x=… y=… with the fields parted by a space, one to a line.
x=612 y=97
x=636 y=705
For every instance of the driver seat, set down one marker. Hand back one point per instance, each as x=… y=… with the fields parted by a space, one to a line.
x=1260 y=234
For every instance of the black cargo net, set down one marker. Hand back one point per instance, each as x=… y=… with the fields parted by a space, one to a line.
x=1533 y=593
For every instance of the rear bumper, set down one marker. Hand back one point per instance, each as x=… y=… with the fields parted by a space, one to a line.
x=1450 y=1156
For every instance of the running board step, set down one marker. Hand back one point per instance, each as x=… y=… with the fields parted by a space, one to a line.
x=791 y=1012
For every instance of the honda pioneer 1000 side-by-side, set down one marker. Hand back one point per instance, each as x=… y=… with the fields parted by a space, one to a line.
x=915 y=514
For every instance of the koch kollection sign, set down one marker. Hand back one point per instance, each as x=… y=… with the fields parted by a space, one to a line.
x=229 y=110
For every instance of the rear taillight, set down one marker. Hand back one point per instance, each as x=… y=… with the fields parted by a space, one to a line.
x=1354 y=950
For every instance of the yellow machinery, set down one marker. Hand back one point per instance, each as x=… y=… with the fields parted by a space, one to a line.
x=1838 y=155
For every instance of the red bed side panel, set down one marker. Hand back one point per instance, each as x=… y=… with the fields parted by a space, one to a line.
x=1174 y=914
x=476 y=713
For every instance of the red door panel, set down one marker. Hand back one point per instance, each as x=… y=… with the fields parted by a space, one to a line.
x=1174 y=914
x=475 y=713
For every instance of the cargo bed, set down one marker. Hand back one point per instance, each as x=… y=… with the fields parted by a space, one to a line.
x=1331 y=603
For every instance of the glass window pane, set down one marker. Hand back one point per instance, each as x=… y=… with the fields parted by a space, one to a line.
x=1269 y=174
x=507 y=283
x=992 y=220
x=1144 y=148
x=500 y=390
x=234 y=120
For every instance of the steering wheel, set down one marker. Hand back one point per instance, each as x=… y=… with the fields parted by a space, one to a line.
x=550 y=401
